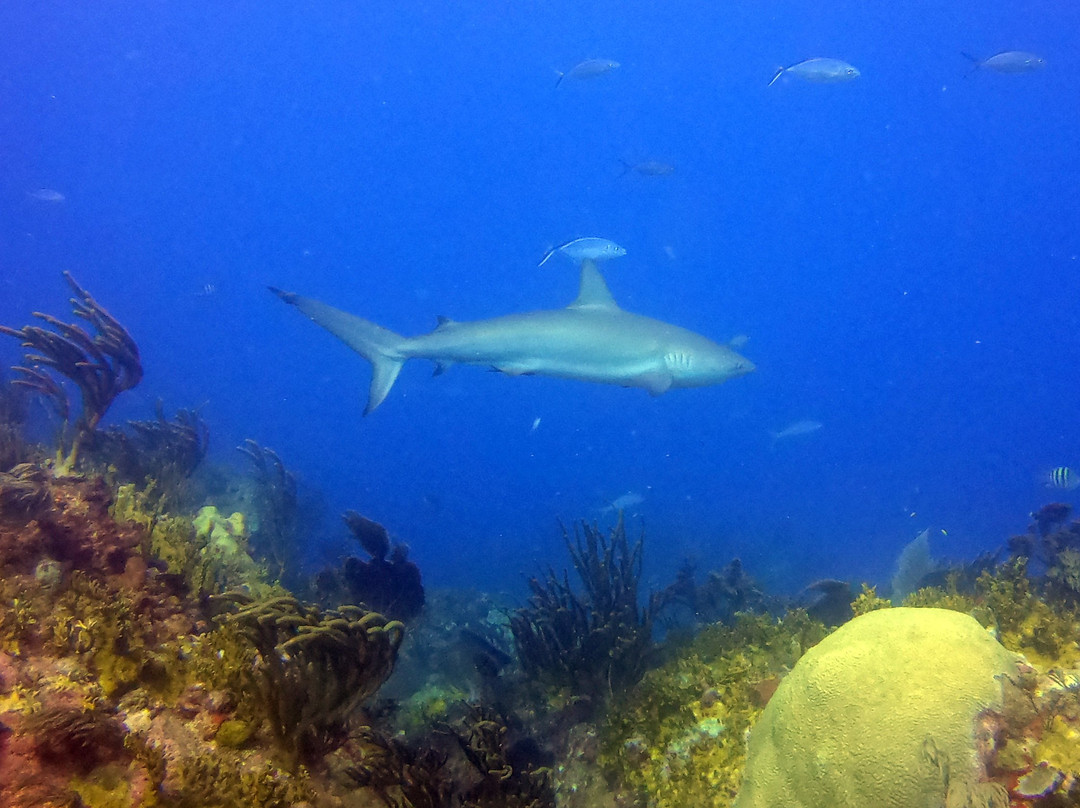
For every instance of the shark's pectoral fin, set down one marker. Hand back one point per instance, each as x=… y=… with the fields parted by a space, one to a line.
x=657 y=382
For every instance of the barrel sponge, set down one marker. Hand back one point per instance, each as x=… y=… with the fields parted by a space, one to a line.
x=880 y=713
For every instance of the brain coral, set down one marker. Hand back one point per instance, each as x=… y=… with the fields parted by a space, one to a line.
x=881 y=713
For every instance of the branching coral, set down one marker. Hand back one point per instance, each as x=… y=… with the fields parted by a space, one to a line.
x=275 y=509
x=401 y=775
x=314 y=669
x=591 y=645
x=102 y=366
x=159 y=455
x=13 y=448
x=724 y=594
x=502 y=781
x=479 y=769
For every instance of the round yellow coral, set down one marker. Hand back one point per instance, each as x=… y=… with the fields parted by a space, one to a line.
x=881 y=713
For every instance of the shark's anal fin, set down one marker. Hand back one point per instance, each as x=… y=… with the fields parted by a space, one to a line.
x=441 y=366
x=593 y=292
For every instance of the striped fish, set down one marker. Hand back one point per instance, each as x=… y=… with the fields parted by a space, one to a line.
x=1062 y=478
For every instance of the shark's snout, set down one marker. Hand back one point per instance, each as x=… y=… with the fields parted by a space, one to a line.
x=744 y=366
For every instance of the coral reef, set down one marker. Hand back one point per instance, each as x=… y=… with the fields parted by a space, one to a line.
x=147 y=659
x=593 y=645
x=101 y=366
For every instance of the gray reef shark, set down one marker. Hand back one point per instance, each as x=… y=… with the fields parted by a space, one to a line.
x=592 y=339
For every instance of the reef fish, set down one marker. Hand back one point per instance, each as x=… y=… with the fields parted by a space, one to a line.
x=1062 y=478
x=820 y=70
x=591 y=340
x=1009 y=62
x=587 y=248
x=589 y=69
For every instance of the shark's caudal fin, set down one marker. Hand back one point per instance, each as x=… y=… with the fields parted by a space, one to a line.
x=380 y=346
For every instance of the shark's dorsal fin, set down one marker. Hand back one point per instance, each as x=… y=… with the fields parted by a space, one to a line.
x=593 y=293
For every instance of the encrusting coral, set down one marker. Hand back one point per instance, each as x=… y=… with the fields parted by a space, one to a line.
x=678 y=737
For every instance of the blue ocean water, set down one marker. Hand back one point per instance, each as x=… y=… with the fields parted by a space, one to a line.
x=902 y=251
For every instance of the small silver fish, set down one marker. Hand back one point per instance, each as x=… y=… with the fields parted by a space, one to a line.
x=648 y=168
x=820 y=70
x=589 y=69
x=796 y=430
x=46 y=195
x=738 y=341
x=627 y=500
x=1062 y=478
x=588 y=247
x=1009 y=62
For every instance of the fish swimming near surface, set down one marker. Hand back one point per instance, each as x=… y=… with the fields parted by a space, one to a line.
x=591 y=340
x=819 y=70
x=588 y=248
x=589 y=69
x=648 y=168
x=1062 y=478
x=796 y=430
x=1008 y=62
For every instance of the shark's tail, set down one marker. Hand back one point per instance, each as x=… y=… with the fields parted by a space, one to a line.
x=380 y=346
x=779 y=72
